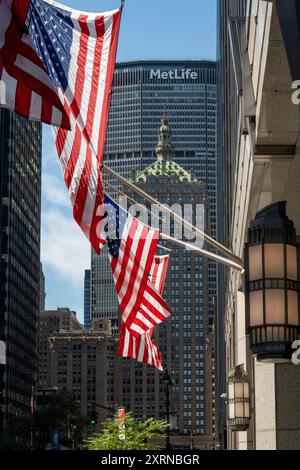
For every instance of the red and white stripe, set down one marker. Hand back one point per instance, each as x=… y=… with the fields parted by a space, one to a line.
x=159 y=272
x=132 y=266
x=86 y=102
x=25 y=86
x=143 y=347
x=152 y=312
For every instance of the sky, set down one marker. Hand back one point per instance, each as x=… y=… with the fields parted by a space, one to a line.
x=156 y=29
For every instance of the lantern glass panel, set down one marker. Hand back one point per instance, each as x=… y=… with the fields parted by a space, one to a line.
x=247 y=410
x=231 y=391
x=256 y=308
x=239 y=390
x=255 y=262
x=231 y=413
x=246 y=390
x=291 y=258
x=293 y=315
x=275 y=306
x=274 y=260
x=239 y=410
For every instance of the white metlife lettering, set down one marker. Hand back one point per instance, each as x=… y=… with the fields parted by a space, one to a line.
x=173 y=74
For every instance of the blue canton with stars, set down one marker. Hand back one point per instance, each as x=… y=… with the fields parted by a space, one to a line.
x=51 y=30
x=115 y=217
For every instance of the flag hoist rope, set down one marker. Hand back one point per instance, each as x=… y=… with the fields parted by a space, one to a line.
x=232 y=261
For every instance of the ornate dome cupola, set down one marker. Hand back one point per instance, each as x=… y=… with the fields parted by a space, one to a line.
x=164 y=164
x=165 y=150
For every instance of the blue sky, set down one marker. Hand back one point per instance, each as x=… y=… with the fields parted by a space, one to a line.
x=156 y=29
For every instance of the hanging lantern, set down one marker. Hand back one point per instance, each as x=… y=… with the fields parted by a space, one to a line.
x=238 y=402
x=272 y=284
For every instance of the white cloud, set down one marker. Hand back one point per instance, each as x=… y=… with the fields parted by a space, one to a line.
x=55 y=191
x=64 y=247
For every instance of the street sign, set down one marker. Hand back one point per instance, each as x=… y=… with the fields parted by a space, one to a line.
x=55 y=434
x=121 y=418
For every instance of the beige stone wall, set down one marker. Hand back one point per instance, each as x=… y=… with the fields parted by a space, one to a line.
x=287 y=388
x=260 y=179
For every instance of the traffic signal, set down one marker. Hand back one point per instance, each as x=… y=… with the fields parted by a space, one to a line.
x=93 y=417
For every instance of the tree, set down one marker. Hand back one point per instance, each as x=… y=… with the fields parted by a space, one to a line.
x=63 y=413
x=137 y=434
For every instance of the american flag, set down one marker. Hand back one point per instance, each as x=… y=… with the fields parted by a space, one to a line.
x=25 y=85
x=74 y=53
x=132 y=247
x=143 y=348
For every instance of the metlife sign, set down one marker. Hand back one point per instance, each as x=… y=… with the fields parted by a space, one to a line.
x=173 y=74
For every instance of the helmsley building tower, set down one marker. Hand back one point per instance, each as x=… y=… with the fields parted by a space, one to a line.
x=182 y=339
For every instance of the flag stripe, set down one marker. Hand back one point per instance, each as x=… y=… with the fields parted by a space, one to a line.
x=105 y=98
x=137 y=342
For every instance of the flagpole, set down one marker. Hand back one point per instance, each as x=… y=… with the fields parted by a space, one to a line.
x=210 y=241
x=204 y=253
x=122 y=5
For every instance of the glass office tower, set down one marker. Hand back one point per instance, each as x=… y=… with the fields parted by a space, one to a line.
x=142 y=90
x=87 y=298
x=20 y=198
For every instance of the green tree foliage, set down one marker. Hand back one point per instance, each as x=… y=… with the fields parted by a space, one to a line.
x=137 y=434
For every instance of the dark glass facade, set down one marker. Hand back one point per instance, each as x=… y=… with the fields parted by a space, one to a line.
x=20 y=196
x=87 y=298
x=141 y=92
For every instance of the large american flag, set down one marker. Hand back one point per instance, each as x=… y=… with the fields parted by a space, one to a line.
x=61 y=73
x=143 y=348
x=25 y=84
x=139 y=278
x=132 y=247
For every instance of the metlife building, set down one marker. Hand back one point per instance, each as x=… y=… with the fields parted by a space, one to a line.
x=142 y=91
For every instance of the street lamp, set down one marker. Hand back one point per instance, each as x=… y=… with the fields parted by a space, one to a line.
x=168 y=383
x=238 y=399
x=272 y=284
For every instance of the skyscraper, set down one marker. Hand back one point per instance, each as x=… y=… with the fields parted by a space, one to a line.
x=182 y=338
x=42 y=289
x=142 y=90
x=87 y=298
x=20 y=188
